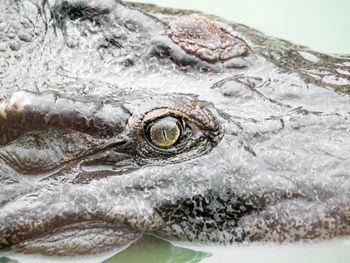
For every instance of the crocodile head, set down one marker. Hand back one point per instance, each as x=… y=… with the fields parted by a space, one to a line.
x=116 y=121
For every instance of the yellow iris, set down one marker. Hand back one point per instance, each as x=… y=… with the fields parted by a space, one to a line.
x=164 y=132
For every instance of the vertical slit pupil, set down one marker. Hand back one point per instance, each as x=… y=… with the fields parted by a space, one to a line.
x=164 y=132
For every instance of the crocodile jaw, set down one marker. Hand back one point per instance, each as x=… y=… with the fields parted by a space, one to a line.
x=81 y=238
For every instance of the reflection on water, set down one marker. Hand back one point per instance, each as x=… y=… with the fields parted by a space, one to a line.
x=7 y=260
x=151 y=249
x=148 y=249
x=155 y=250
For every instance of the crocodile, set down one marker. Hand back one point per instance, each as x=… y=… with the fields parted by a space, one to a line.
x=122 y=119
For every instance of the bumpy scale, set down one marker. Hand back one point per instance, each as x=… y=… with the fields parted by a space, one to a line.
x=197 y=35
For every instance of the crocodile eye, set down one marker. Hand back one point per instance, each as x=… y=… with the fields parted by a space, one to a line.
x=164 y=132
x=170 y=129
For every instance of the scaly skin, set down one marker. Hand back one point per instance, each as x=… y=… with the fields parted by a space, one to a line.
x=264 y=154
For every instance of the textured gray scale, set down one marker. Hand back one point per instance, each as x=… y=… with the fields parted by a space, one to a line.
x=264 y=154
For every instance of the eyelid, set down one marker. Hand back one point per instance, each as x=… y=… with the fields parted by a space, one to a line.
x=164 y=112
x=161 y=113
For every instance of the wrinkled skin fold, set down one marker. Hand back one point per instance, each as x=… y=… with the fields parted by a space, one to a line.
x=264 y=150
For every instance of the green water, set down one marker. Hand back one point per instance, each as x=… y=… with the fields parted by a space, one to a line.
x=323 y=25
x=154 y=250
x=151 y=249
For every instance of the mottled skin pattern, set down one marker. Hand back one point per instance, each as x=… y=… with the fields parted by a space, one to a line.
x=264 y=154
x=197 y=35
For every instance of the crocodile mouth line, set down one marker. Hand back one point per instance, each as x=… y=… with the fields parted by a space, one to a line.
x=106 y=160
x=82 y=238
